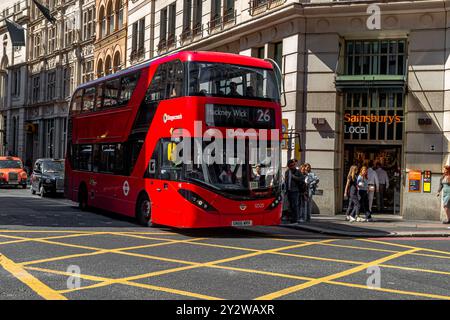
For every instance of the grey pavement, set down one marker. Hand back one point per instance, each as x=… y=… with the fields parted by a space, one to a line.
x=383 y=225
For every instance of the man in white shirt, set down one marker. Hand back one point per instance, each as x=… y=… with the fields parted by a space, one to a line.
x=383 y=181
x=373 y=184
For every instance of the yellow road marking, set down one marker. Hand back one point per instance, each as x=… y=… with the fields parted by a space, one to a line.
x=255 y=252
x=193 y=265
x=102 y=251
x=102 y=281
x=318 y=258
x=414 y=269
x=70 y=256
x=334 y=276
x=405 y=246
x=170 y=290
x=412 y=293
x=358 y=248
x=33 y=283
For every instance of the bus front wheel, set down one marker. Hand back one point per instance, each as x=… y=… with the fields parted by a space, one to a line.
x=144 y=211
x=83 y=198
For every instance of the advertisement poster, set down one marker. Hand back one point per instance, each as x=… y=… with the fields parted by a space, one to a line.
x=415 y=180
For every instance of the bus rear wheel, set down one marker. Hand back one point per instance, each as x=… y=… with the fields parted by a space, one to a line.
x=144 y=211
x=82 y=198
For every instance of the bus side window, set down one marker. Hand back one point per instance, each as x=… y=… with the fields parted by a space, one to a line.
x=157 y=89
x=85 y=157
x=111 y=93
x=99 y=97
x=119 y=159
x=89 y=99
x=77 y=102
x=174 y=79
x=127 y=85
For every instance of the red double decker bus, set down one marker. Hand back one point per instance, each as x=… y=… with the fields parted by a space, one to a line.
x=190 y=140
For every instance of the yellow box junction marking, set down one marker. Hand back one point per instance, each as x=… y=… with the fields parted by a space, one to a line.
x=33 y=283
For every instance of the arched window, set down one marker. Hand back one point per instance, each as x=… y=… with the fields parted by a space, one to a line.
x=119 y=14
x=100 y=68
x=117 y=64
x=102 y=22
x=108 y=69
x=110 y=18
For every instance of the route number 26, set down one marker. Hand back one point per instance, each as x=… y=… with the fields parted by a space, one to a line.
x=263 y=115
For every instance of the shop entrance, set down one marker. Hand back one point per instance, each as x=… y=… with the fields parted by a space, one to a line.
x=389 y=157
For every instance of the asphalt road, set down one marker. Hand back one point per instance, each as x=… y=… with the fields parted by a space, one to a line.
x=51 y=250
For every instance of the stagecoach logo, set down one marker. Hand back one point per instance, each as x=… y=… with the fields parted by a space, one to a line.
x=166 y=117
x=242 y=206
x=126 y=188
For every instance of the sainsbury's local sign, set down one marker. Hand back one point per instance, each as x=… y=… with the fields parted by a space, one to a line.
x=358 y=123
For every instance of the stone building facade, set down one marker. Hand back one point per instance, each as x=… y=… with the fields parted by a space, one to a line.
x=60 y=56
x=13 y=81
x=111 y=36
x=355 y=90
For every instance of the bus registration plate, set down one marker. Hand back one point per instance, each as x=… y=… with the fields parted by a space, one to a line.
x=242 y=223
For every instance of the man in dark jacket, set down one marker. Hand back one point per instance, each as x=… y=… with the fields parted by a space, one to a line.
x=293 y=181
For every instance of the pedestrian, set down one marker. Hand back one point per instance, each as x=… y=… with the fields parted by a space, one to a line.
x=302 y=201
x=363 y=187
x=311 y=181
x=444 y=186
x=373 y=184
x=351 y=192
x=293 y=186
x=383 y=181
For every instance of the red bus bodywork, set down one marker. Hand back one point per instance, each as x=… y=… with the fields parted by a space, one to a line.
x=119 y=193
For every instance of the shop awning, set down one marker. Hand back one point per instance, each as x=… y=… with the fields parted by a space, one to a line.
x=365 y=82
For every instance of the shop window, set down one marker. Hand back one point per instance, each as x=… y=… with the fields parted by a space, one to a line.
x=377 y=116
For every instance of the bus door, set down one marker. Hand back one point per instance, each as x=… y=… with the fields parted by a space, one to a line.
x=166 y=173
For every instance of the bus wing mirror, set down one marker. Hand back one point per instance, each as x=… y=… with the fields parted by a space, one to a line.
x=280 y=80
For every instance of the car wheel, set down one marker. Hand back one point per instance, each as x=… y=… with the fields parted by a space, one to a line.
x=32 y=190
x=144 y=211
x=83 y=198
x=42 y=191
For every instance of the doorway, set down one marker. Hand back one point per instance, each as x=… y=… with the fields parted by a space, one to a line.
x=389 y=158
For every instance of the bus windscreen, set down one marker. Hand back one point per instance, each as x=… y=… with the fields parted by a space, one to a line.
x=232 y=81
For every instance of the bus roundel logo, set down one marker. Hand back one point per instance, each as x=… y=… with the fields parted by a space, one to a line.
x=242 y=206
x=126 y=188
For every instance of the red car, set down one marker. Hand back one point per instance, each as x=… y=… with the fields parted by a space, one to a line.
x=12 y=172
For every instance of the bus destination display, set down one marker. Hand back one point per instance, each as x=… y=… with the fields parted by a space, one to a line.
x=239 y=116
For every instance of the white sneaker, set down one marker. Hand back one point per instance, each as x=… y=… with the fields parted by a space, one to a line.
x=360 y=219
x=347 y=218
x=351 y=219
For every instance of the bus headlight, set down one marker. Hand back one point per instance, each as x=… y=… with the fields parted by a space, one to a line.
x=195 y=199
x=275 y=203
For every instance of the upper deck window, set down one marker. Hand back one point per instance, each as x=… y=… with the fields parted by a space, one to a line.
x=232 y=81
x=115 y=92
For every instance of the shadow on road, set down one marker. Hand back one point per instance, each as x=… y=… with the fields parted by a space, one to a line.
x=56 y=212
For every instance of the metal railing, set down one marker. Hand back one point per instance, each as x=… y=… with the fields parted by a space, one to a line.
x=220 y=22
x=189 y=34
x=259 y=6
